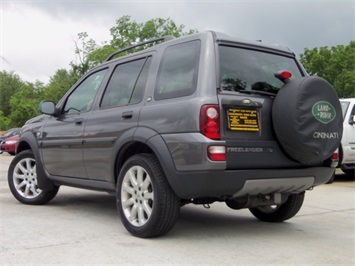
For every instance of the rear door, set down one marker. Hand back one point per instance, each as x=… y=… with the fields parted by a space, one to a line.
x=117 y=115
x=248 y=87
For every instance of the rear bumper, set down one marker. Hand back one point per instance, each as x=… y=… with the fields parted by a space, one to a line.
x=239 y=183
x=348 y=155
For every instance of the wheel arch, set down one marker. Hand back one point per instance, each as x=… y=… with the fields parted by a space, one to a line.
x=27 y=141
x=146 y=140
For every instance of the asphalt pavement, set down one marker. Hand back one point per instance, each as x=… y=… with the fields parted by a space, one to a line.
x=81 y=227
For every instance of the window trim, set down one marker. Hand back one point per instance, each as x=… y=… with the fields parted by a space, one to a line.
x=146 y=59
x=178 y=93
x=66 y=96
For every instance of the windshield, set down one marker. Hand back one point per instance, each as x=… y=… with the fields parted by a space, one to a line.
x=245 y=69
x=344 y=107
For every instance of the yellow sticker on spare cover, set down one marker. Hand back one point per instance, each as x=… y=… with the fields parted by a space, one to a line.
x=243 y=119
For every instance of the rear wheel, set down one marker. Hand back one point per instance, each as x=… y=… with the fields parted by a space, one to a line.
x=279 y=213
x=147 y=204
x=22 y=179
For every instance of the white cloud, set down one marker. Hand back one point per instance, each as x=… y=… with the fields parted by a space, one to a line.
x=34 y=44
x=37 y=36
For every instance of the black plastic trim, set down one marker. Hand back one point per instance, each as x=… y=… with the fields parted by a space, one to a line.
x=28 y=138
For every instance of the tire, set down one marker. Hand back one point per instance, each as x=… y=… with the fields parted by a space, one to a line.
x=307 y=119
x=22 y=180
x=331 y=180
x=279 y=213
x=147 y=204
x=12 y=153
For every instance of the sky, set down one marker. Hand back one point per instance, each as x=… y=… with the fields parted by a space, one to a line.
x=37 y=36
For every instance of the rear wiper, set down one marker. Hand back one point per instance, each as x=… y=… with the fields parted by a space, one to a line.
x=258 y=92
x=264 y=86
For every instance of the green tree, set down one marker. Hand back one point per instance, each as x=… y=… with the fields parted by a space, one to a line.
x=9 y=84
x=4 y=122
x=335 y=64
x=83 y=47
x=126 y=33
x=24 y=103
x=19 y=100
x=59 y=84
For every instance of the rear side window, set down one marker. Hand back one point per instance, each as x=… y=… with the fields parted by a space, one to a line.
x=177 y=75
x=126 y=85
x=245 y=69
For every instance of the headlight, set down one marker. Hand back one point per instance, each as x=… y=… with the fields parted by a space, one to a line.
x=10 y=142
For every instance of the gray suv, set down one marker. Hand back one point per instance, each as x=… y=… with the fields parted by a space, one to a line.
x=197 y=119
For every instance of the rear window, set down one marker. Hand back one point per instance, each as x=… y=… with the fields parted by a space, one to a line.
x=177 y=75
x=245 y=69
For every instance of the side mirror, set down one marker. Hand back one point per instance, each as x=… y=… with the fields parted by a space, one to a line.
x=47 y=108
x=352 y=120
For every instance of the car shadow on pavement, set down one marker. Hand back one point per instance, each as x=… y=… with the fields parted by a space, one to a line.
x=341 y=177
x=220 y=222
x=86 y=201
x=217 y=222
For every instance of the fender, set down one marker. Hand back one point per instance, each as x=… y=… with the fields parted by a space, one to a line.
x=155 y=142
x=136 y=134
x=162 y=152
x=28 y=141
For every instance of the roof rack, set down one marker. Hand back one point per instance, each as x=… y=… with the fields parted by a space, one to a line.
x=165 y=38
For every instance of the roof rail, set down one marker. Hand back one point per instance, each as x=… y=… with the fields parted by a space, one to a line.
x=165 y=38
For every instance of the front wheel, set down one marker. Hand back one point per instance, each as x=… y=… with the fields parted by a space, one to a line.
x=22 y=179
x=279 y=213
x=147 y=204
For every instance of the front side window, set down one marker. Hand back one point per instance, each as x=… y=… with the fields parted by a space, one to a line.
x=82 y=98
x=126 y=85
x=177 y=75
x=245 y=69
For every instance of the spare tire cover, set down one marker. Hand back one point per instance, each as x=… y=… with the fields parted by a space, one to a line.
x=307 y=119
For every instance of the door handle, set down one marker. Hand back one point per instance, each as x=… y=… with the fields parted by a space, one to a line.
x=127 y=115
x=79 y=121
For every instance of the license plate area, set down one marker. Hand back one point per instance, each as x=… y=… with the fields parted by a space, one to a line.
x=243 y=119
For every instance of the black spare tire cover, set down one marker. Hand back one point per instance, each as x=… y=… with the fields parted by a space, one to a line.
x=307 y=119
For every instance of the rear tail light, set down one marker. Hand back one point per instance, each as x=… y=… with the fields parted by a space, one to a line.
x=216 y=153
x=210 y=121
x=335 y=156
x=334 y=159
